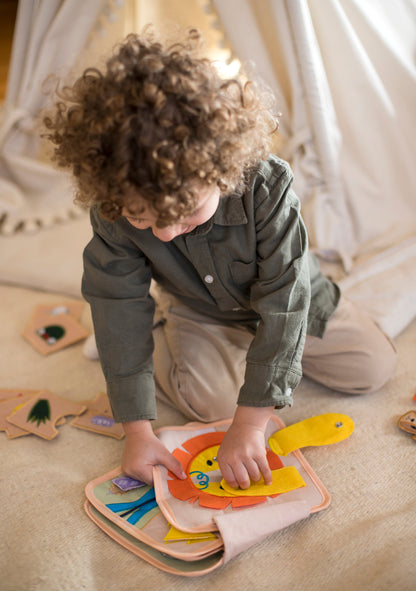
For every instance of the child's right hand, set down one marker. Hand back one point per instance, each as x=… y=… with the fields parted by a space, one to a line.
x=143 y=450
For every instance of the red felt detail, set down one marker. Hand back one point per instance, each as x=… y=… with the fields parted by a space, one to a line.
x=183 y=490
x=184 y=458
x=213 y=502
x=197 y=444
x=274 y=460
x=246 y=501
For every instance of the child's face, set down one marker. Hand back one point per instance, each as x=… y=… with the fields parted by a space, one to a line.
x=207 y=206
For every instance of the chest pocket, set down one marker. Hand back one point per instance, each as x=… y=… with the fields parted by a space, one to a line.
x=243 y=274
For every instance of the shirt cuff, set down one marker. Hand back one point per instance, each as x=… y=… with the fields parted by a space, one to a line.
x=268 y=386
x=133 y=398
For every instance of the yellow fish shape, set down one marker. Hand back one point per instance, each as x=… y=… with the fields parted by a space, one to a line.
x=319 y=430
x=315 y=431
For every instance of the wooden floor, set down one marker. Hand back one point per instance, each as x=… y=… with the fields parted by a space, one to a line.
x=8 y=10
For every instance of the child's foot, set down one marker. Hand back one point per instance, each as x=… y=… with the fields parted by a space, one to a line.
x=90 y=348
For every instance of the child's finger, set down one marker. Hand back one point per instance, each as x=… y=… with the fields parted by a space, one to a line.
x=228 y=476
x=253 y=470
x=241 y=476
x=265 y=470
x=174 y=466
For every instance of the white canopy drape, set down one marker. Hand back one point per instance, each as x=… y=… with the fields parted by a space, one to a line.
x=345 y=75
x=50 y=36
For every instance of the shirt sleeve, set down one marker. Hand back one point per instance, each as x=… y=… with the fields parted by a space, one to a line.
x=280 y=295
x=116 y=284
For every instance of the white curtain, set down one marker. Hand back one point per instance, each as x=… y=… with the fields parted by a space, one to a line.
x=345 y=76
x=50 y=36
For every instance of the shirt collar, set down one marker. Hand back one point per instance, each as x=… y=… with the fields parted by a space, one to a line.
x=230 y=212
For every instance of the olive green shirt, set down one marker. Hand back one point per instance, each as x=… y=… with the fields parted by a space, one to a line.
x=249 y=265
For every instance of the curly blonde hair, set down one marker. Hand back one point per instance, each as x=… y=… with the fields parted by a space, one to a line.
x=158 y=121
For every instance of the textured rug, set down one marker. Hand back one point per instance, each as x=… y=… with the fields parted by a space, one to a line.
x=365 y=540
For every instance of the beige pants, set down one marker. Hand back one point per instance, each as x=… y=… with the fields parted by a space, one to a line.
x=199 y=364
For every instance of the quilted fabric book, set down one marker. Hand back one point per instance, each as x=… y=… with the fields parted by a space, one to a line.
x=191 y=527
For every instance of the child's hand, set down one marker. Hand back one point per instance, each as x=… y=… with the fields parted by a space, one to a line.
x=143 y=450
x=242 y=455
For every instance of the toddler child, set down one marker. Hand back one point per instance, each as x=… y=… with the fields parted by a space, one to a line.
x=198 y=272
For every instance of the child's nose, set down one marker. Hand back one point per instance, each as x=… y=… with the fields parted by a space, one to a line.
x=168 y=233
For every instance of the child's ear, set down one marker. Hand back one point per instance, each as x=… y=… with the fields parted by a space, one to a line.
x=134 y=205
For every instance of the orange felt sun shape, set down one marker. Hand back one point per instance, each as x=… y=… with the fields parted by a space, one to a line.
x=204 y=477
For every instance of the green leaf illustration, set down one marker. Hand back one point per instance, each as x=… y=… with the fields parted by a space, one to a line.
x=40 y=412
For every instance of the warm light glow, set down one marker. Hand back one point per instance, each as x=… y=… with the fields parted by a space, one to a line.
x=228 y=70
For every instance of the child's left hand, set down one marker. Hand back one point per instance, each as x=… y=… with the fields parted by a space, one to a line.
x=242 y=455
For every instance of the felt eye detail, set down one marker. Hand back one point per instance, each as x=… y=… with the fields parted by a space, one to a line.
x=339 y=425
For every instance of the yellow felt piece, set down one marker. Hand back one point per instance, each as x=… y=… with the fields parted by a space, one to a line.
x=175 y=535
x=320 y=430
x=205 y=461
x=284 y=480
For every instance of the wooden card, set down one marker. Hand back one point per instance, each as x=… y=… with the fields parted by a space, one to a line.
x=40 y=414
x=50 y=333
x=99 y=418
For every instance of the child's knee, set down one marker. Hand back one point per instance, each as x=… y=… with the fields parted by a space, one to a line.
x=213 y=413
x=208 y=402
x=375 y=369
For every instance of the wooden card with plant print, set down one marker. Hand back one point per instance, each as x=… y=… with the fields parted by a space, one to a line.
x=40 y=414
x=53 y=328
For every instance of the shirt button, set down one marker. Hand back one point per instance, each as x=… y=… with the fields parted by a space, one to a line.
x=209 y=279
x=288 y=392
